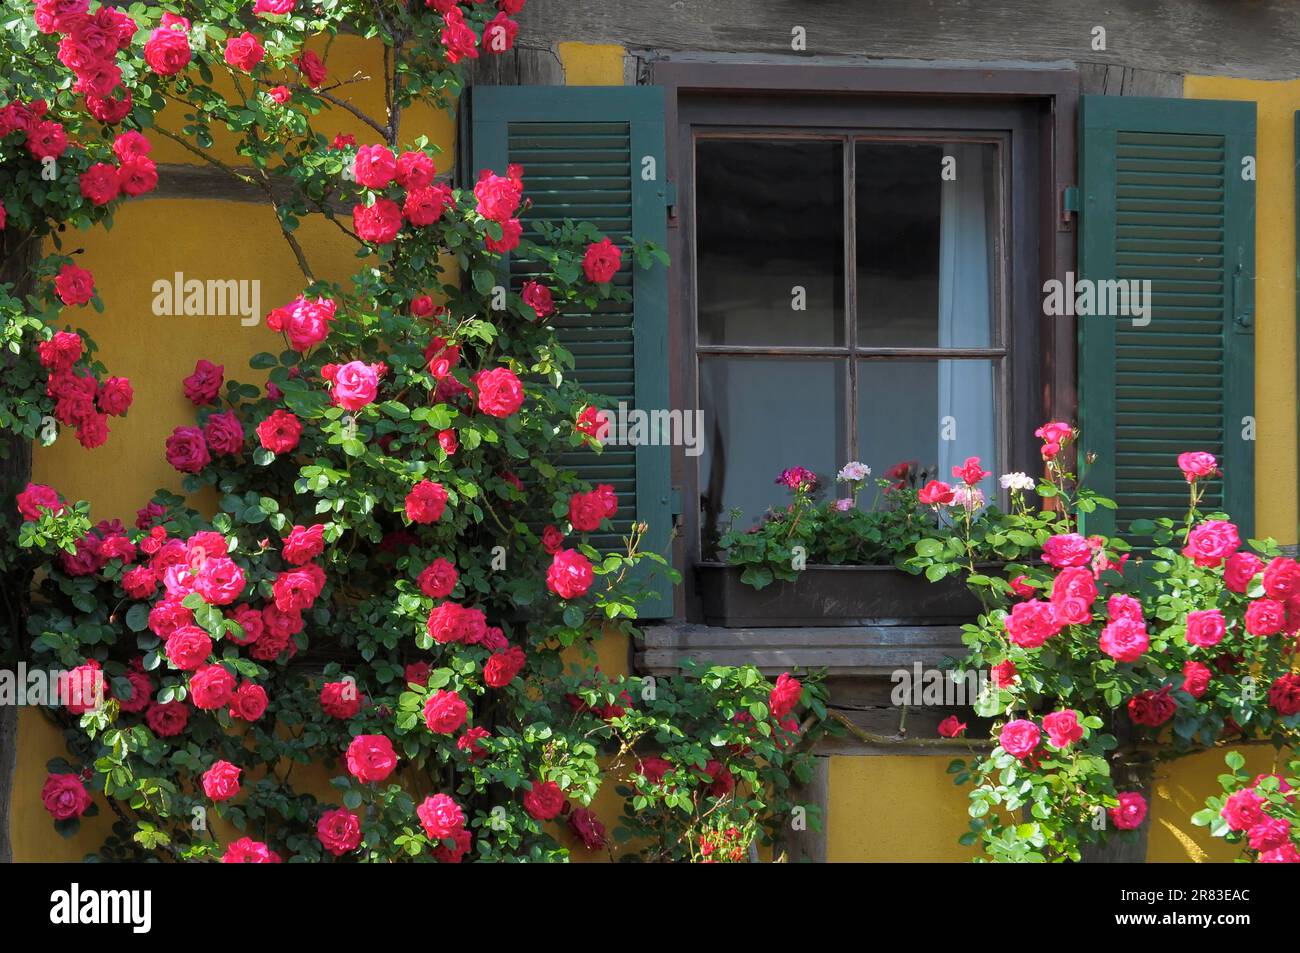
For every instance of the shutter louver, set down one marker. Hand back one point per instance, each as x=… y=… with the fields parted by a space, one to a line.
x=1165 y=201
x=581 y=150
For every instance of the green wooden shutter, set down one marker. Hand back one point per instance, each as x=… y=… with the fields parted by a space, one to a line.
x=1169 y=196
x=583 y=150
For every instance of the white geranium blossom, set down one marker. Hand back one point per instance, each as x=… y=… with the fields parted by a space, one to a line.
x=1016 y=481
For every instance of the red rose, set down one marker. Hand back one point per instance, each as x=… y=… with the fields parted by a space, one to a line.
x=1282 y=579
x=586 y=511
x=371 y=758
x=280 y=432
x=1284 y=694
x=141 y=692
x=1240 y=569
x=500 y=392
x=1205 y=627
x=415 y=170
x=970 y=472
x=138 y=176
x=425 y=206
x=1032 y=623
x=37 y=497
x=211 y=687
x=450 y=622
x=1196 y=678
x=538 y=297
x=1130 y=811
x=445 y=712
x=339 y=831
x=552 y=540
x=221 y=781
x=498 y=197
x=470 y=743
x=1067 y=549
x=950 y=727
x=100 y=183
x=187 y=451
x=224 y=433
x=167 y=719
x=438 y=579
x=440 y=816
x=1151 y=708
x=65 y=797
x=601 y=261
x=167 y=51
x=458 y=40
x=447 y=441
x=297 y=589
x=511 y=231
x=501 y=668
x=312 y=69
x=114 y=396
x=784 y=696
x=303 y=544
x=378 y=223
x=244 y=51
x=74 y=286
x=188 y=647
x=249 y=703
x=248 y=851
x=1004 y=674
x=544 y=800
x=1265 y=617
x=374 y=167
x=340 y=699
x=426 y=502
x=588 y=827
x=1063 y=728
x=570 y=574
x=935 y=493
x=1243 y=810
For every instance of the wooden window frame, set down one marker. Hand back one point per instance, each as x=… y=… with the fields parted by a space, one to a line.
x=1036 y=107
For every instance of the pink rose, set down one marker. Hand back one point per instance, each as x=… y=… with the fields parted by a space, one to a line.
x=303 y=544
x=440 y=816
x=1265 y=617
x=498 y=197
x=1019 y=738
x=438 y=579
x=221 y=781
x=378 y=223
x=1243 y=810
x=244 y=52
x=570 y=574
x=279 y=432
x=1196 y=678
x=188 y=648
x=1031 y=623
x=211 y=687
x=74 y=286
x=249 y=703
x=1124 y=640
x=1067 y=549
x=1240 y=569
x=1197 y=465
x=339 y=831
x=356 y=384
x=1206 y=627
x=187 y=451
x=167 y=51
x=1063 y=728
x=65 y=797
x=1130 y=812
x=1211 y=542
x=374 y=167
x=248 y=851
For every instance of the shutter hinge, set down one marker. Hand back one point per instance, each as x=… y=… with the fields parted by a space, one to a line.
x=675 y=502
x=1070 y=200
x=670 y=202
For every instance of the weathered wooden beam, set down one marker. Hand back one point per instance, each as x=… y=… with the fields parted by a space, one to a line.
x=1255 y=39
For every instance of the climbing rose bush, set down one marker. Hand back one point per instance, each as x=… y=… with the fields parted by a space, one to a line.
x=379 y=643
x=1103 y=662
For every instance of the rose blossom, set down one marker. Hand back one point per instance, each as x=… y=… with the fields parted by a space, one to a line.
x=1019 y=738
x=601 y=261
x=501 y=668
x=339 y=831
x=1205 y=627
x=248 y=851
x=221 y=781
x=500 y=392
x=438 y=579
x=1067 y=549
x=1240 y=569
x=211 y=687
x=950 y=727
x=1130 y=812
x=440 y=816
x=1243 y=810
x=65 y=797
x=1032 y=623
x=544 y=800
x=1063 y=728
x=355 y=384
x=371 y=758
x=1211 y=542
x=426 y=502
x=570 y=574
x=1197 y=465
x=279 y=432
x=445 y=712
x=1196 y=678
x=1124 y=640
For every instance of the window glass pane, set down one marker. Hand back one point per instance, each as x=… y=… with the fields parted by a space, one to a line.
x=762 y=415
x=907 y=409
x=926 y=244
x=770 y=220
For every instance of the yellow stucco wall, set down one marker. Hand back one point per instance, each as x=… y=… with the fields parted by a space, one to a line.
x=881 y=808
